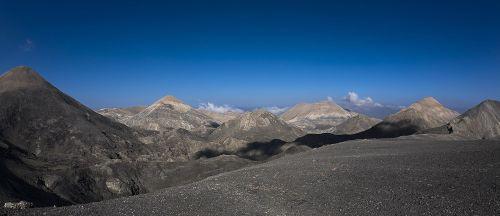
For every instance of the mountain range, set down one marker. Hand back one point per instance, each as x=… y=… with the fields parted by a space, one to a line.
x=320 y=117
x=56 y=151
x=424 y=114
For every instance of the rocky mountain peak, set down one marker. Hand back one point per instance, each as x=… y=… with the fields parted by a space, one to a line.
x=428 y=102
x=169 y=113
x=22 y=77
x=169 y=99
x=424 y=114
x=261 y=113
x=257 y=118
x=314 y=111
x=256 y=126
x=481 y=121
x=319 y=117
x=488 y=104
x=172 y=103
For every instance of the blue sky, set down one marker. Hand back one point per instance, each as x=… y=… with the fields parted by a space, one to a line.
x=258 y=53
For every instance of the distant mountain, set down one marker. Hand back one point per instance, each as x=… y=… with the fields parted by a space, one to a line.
x=256 y=126
x=220 y=117
x=424 y=114
x=53 y=150
x=482 y=121
x=379 y=112
x=170 y=113
x=120 y=114
x=321 y=117
x=356 y=124
x=479 y=122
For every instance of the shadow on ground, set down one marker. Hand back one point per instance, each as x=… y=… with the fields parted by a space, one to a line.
x=264 y=150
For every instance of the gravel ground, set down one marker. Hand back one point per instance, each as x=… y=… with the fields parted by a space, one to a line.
x=366 y=177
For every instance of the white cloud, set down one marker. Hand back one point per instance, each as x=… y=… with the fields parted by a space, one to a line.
x=353 y=98
x=276 y=110
x=218 y=109
x=329 y=99
x=27 y=45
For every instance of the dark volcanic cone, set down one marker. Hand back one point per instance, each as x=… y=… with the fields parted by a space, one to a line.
x=53 y=148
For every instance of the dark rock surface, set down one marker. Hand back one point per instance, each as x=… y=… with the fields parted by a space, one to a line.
x=368 y=177
x=53 y=147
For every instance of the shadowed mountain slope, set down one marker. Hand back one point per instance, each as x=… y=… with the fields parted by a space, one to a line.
x=51 y=142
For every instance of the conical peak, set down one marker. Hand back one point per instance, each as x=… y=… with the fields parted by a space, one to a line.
x=23 y=73
x=170 y=99
x=488 y=102
x=486 y=106
x=429 y=100
x=22 y=77
x=172 y=102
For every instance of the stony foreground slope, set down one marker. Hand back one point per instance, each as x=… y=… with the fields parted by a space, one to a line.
x=378 y=177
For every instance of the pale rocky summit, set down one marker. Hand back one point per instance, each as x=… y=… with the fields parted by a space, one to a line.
x=121 y=114
x=321 y=117
x=424 y=114
x=170 y=113
x=481 y=122
x=221 y=117
x=256 y=126
x=356 y=124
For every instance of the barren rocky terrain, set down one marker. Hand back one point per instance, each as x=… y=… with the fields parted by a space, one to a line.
x=366 y=177
x=172 y=159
